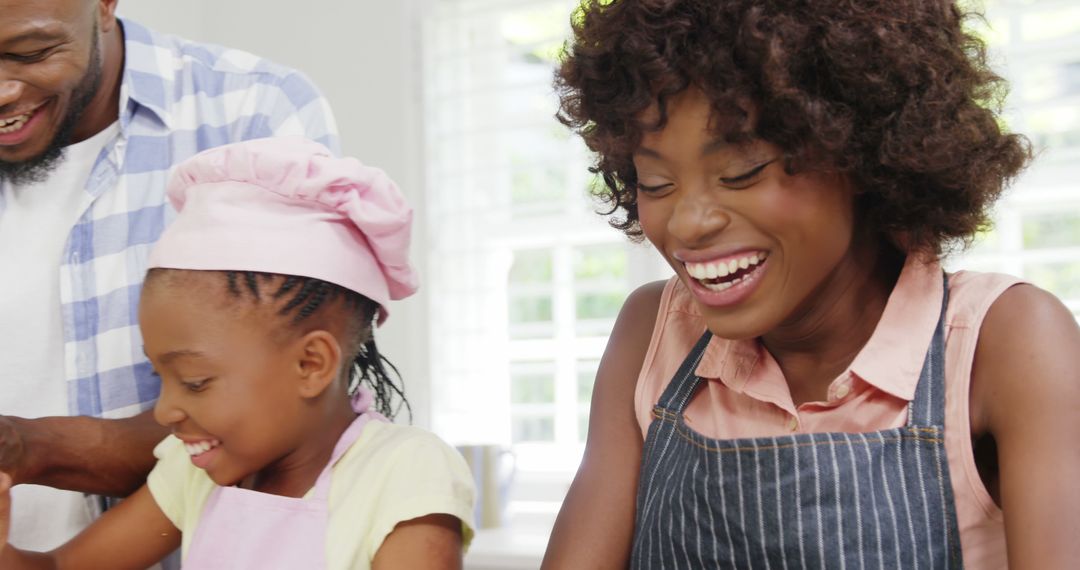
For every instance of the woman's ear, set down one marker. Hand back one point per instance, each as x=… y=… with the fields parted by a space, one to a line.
x=318 y=362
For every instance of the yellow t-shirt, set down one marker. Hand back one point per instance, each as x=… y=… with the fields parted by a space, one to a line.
x=391 y=474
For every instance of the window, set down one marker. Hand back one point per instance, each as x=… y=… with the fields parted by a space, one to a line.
x=525 y=279
x=1036 y=46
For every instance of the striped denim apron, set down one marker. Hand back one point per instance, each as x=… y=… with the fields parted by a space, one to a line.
x=817 y=500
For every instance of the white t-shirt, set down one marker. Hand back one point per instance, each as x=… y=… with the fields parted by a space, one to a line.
x=34 y=227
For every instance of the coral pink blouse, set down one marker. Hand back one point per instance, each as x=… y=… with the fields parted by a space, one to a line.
x=746 y=394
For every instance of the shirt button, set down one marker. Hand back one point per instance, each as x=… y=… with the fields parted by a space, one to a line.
x=843 y=389
x=793 y=423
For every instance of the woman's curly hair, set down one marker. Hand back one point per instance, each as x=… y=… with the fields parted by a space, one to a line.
x=893 y=93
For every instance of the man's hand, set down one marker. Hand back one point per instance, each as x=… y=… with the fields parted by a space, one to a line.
x=12 y=450
x=79 y=453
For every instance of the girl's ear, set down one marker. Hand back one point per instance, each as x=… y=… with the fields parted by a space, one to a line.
x=318 y=362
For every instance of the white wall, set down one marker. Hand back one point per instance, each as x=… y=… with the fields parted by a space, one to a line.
x=364 y=56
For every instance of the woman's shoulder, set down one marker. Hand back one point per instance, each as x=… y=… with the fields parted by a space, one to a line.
x=972 y=293
x=1023 y=321
x=1027 y=348
x=648 y=311
x=666 y=322
x=634 y=330
x=642 y=303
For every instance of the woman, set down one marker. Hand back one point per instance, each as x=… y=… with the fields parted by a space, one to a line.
x=810 y=389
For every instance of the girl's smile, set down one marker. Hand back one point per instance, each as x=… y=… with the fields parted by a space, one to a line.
x=201 y=450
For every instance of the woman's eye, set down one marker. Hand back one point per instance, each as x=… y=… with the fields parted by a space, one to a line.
x=745 y=179
x=657 y=189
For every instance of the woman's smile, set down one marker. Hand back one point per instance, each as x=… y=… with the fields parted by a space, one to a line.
x=752 y=242
x=726 y=280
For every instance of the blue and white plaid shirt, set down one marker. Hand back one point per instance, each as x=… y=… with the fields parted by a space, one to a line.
x=176 y=99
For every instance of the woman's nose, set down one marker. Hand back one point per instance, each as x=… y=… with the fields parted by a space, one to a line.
x=698 y=216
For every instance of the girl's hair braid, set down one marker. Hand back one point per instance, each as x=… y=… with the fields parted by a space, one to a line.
x=368 y=365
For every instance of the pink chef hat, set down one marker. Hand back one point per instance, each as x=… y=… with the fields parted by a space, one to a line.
x=287 y=205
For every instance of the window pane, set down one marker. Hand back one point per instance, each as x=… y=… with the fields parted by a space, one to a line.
x=1050 y=24
x=599 y=305
x=1052 y=229
x=600 y=281
x=530 y=309
x=539 y=28
x=600 y=261
x=531 y=266
x=583 y=426
x=1063 y=279
x=530 y=295
x=538 y=185
x=1051 y=80
x=532 y=388
x=533 y=428
x=585 y=379
x=1056 y=127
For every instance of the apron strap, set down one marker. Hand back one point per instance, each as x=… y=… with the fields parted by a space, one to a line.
x=677 y=394
x=361 y=402
x=927 y=408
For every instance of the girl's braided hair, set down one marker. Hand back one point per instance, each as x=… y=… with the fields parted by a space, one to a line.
x=308 y=296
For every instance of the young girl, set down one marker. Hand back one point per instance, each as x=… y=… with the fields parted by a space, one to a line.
x=811 y=390
x=258 y=314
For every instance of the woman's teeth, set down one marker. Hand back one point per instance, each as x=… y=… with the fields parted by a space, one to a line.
x=13 y=124
x=720 y=275
x=201 y=447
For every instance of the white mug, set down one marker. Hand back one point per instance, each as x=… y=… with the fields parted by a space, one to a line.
x=493 y=468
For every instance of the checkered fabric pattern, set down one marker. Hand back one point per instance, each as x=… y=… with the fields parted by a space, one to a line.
x=177 y=98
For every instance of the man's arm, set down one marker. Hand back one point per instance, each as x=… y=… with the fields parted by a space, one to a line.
x=91 y=455
x=295 y=107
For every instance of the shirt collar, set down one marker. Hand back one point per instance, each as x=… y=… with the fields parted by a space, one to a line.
x=891 y=360
x=148 y=61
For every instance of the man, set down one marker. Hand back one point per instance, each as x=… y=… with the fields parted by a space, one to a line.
x=93 y=113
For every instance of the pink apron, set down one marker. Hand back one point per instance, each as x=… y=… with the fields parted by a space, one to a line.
x=241 y=528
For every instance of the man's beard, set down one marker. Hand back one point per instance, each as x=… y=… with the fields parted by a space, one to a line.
x=36 y=169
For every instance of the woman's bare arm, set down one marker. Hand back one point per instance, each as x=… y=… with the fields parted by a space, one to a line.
x=595 y=527
x=1026 y=393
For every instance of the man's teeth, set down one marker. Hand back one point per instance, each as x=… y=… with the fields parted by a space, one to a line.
x=201 y=447
x=715 y=269
x=13 y=124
